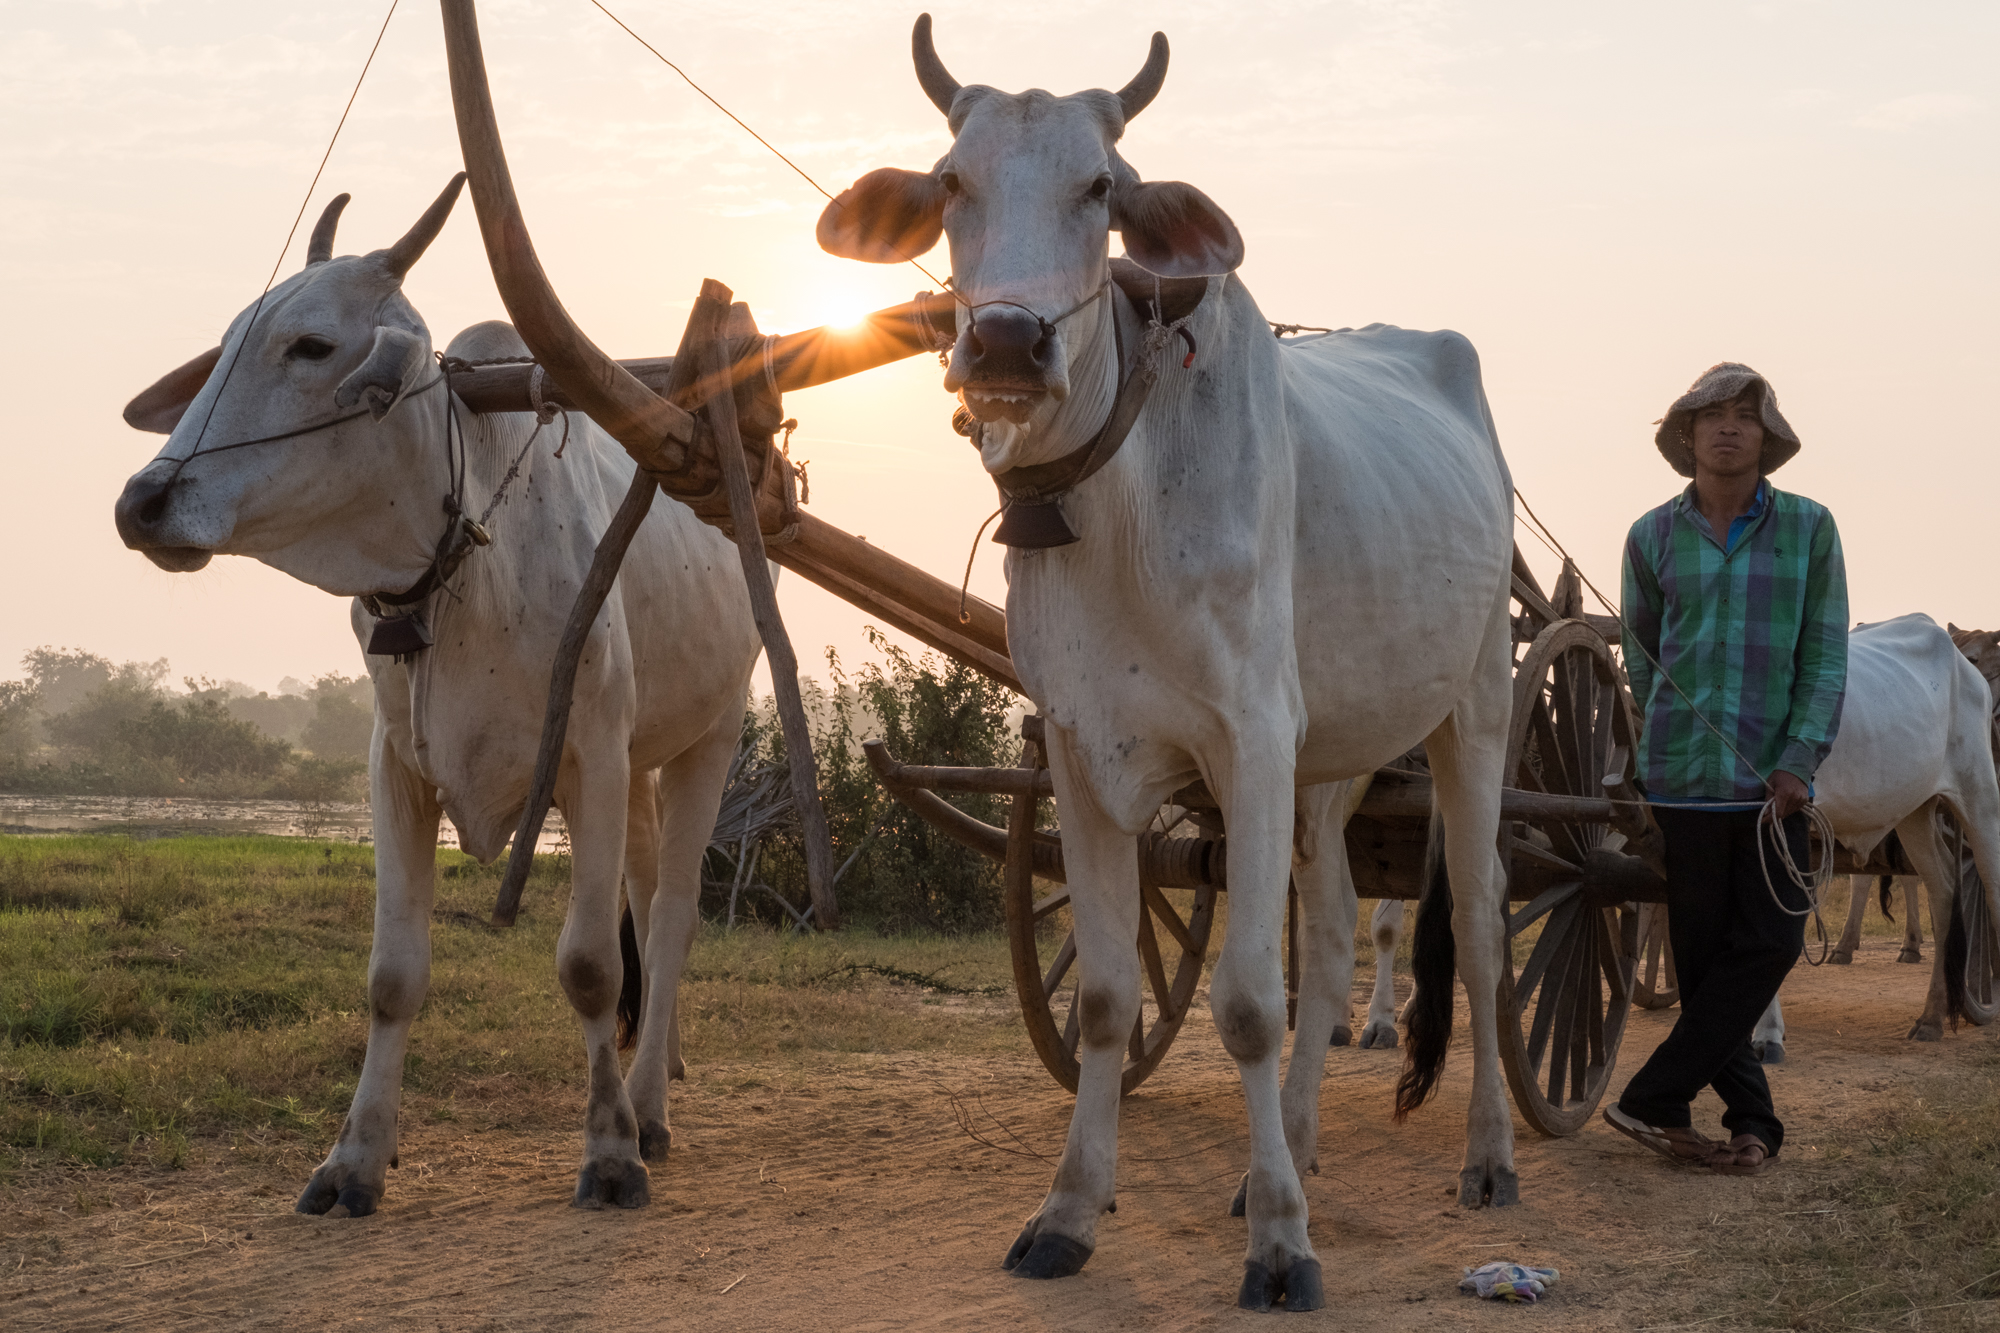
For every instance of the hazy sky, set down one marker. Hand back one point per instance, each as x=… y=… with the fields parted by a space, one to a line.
x=1605 y=198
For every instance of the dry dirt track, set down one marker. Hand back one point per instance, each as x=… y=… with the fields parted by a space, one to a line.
x=877 y=1193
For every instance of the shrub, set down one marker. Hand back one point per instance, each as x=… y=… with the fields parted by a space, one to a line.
x=900 y=873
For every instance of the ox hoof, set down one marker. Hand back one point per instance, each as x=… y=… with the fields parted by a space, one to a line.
x=1298 y=1285
x=1240 y=1205
x=1342 y=1035
x=612 y=1182
x=1926 y=1032
x=1481 y=1187
x=332 y=1192
x=1769 y=1052
x=1906 y=956
x=1047 y=1255
x=654 y=1141
x=1840 y=956
x=1378 y=1036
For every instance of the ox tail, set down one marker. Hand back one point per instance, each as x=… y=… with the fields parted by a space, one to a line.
x=1882 y=888
x=635 y=980
x=1433 y=960
x=1957 y=946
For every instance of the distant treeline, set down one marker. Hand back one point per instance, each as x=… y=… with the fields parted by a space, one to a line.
x=78 y=724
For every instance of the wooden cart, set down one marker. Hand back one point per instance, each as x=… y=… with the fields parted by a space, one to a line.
x=1587 y=932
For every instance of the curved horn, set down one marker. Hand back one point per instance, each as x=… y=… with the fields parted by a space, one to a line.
x=320 y=248
x=404 y=254
x=1145 y=86
x=938 y=84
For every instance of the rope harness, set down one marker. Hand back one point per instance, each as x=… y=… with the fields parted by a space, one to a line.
x=1031 y=516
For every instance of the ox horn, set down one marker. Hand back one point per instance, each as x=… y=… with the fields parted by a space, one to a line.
x=938 y=84
x=320 y=248
x=404 y=254
x=1145 y=86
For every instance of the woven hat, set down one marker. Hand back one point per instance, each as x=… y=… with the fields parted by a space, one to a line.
x=1723 y=383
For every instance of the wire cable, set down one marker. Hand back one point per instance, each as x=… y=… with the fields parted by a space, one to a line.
x=803 y=175
x=290 y=236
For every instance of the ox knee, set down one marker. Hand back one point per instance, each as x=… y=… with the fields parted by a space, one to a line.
x=395 y=994
x=1105 y=1017
x=1250 y=1032
x=590 y=982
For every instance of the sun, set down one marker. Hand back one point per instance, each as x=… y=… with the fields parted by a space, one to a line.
x=834 y=304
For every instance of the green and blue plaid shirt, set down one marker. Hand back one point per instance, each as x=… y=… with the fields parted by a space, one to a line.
x=1752 y=628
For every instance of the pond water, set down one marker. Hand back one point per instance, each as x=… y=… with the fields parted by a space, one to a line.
x=179 y=816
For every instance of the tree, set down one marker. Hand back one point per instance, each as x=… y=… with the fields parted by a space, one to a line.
x=343 y=720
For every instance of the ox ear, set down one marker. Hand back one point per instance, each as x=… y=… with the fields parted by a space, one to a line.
x=394 y=366
x=886 y=217
x=1175 y=230
x=159 y=407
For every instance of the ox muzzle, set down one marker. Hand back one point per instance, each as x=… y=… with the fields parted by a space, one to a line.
x=145 y=521
x=1008 y=361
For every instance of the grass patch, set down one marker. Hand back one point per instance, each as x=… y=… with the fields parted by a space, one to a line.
x=1897 y=1225
x=156 y=993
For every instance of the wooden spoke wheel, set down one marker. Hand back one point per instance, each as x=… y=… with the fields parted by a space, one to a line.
x=1563 y=1005
x=1656 y=986
x=1172 y=944
x=1982 y=953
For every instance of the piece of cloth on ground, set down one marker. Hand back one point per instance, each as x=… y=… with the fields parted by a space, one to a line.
x=1503 y=1280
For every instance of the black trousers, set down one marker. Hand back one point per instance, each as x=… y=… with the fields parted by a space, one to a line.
x=1732 y=949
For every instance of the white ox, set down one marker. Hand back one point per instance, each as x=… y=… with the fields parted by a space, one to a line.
x=1916 y=732
x=1295 y=569
x=353 y=507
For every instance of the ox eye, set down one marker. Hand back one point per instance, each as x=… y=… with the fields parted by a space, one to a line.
x=1101 y=188
x=312 y=347
x=950 y=182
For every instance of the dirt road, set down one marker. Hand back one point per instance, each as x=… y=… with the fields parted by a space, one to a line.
x=879 y=1192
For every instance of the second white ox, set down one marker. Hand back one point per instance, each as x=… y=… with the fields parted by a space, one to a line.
x=1295 y=568
x=1916 y=734
x=282 y=465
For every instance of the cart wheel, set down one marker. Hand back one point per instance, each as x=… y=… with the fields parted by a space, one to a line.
x=1657 y=986
x=1172 y=945
x=1563 y=1007
x=1982 y=952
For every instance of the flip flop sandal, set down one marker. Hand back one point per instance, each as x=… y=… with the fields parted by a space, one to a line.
x=1734 y=1165
x=1697 y=1151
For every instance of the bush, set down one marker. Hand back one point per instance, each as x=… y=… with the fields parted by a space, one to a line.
x=900 y=873
x=343 y=720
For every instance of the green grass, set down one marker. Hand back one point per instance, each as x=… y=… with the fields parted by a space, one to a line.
x=159 y=992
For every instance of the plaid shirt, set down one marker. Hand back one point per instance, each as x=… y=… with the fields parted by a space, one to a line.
x=1754 y=631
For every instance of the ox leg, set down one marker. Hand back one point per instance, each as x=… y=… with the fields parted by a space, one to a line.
x=1926 y=851
x=594 y=801
x=690 y=791
x=1767 y=1039
x=1468 y=754
x=1104 y=902
x=1913 y=926
x=1857 y=908
x=1385 y=927
x=351 y=1182
x=1247 y=1000
x=1327 y=911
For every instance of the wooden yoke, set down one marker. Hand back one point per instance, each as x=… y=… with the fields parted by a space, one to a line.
x=655 y=431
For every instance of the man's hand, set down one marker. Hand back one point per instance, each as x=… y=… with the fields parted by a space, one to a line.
x=1789 y=791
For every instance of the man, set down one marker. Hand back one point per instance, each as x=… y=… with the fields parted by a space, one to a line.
x=1736 y=645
